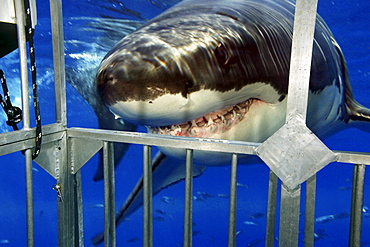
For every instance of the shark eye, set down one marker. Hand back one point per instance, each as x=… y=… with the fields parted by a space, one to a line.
x=189 y=84
x=108 y=80
x=222 y=55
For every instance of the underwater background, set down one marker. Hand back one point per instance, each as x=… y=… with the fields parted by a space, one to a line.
x=91 y=28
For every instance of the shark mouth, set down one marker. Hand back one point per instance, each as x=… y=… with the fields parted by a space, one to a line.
x=211 y=124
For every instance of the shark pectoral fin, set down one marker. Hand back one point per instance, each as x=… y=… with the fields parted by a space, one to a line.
x=109 y=122
x=361 y=114
x=166 y=171
x=171 y=171
x=97 y=239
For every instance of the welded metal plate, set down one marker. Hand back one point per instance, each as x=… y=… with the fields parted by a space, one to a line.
x=51 y=157
x=294 y=153
x=81 y=151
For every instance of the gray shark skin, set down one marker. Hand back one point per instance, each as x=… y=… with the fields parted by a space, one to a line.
x=219 y=69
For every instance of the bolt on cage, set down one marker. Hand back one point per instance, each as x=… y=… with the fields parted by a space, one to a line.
x=62 y=155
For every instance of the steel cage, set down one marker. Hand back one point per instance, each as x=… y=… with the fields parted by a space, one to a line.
x=61 y=158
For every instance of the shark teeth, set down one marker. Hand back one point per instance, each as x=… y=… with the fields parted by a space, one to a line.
x=212 y=123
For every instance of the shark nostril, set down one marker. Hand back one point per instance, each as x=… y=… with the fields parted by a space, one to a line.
x=188 y=85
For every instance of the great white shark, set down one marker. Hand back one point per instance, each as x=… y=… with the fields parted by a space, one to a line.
x=219 y=69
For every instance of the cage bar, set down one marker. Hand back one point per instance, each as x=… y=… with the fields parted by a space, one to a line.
x=148 y=202
x=68 y=176
x=59 y=61
x=271 y=209
x=21 y=32
x=232 y=207
x=109 y=198
x=357 y=205
x=309 y=223
x=188 y=204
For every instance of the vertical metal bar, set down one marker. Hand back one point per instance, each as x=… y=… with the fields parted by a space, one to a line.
x=109 y=198
x=59 y=63
x=271 y=210
x=188 y=207
x=29 y=198
x=301 y=56
x=232 y=209
x=66 y=226
x=79 y=211
x=309 y=229
x=357 y=205
x=289 y=216
x=147 y=194
x=20 y=16
x=21 y=32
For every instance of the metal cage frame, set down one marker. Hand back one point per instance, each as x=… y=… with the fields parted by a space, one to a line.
x=62 y=159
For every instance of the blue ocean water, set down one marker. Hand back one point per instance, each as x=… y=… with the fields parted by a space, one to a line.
x=91 y=28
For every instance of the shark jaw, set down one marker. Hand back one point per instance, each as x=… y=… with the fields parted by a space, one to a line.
x=252 y=120
x=252 y=113
x=214 y=123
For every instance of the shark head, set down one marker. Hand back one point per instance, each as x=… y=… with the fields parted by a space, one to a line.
x=199 y=78
x=220 y=72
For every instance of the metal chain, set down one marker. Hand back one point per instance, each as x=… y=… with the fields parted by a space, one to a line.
x=14 y=113
x=36 y=105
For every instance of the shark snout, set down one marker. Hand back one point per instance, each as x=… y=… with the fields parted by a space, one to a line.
x=124 y=78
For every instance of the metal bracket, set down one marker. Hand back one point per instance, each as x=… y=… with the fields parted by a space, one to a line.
x=81 y=151
x=294 y=153
x=51 y=155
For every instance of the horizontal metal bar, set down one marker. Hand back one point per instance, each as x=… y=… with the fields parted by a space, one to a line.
x=15 y=141
x=23 y=135
x=165 y=141
x=22 y=139
x=352 y=157
x=195 y=143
